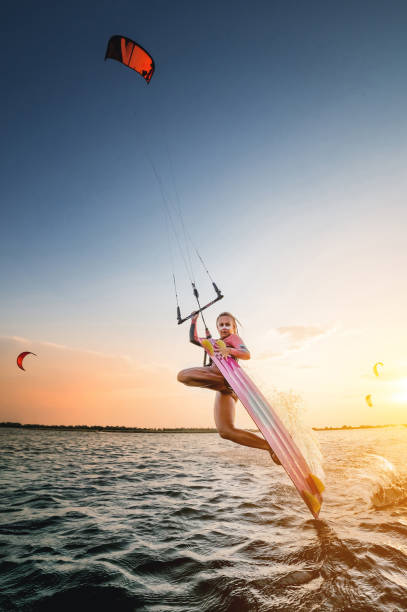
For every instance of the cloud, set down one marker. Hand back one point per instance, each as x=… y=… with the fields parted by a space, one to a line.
x=17 y=339
x=61 y=352
x=291 y=338
x=301 y=334
x=268 y=355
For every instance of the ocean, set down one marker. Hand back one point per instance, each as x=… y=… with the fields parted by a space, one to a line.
x=184 y=522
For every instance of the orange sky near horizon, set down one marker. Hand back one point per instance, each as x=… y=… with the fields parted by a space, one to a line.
x=65 y=386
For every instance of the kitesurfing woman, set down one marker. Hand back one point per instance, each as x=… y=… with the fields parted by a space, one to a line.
x=209 y=377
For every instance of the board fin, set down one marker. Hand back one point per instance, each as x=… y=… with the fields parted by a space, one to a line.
x=312 y=502
x=317 y=482
x=208 y=346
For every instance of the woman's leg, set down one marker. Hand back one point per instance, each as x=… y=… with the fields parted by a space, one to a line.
x=210 y=377
x=225 y=410
x=207 y=377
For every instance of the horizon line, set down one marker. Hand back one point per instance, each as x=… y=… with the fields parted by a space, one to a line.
x=135 y=429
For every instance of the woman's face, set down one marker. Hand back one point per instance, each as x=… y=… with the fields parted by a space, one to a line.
x=225 y=326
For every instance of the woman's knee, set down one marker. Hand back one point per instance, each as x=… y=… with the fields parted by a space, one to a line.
x=187 y=377
x=182 y=376
x=227 y=433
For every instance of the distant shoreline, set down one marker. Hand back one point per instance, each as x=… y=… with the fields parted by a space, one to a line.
x=346 y=427
x=123 y=429
x=111 y=428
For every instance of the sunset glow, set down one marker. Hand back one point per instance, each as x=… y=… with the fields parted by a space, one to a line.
x=291 y=183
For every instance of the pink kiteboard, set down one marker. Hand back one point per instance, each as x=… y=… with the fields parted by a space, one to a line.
x=268 y=422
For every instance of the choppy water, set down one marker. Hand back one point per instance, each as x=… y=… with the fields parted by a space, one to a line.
x=171 y=522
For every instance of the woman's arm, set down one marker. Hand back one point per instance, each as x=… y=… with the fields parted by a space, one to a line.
x=193 y=331
x=237 y=348
x=241 y=353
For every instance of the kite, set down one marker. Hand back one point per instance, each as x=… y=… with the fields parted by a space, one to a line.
x=130 y=54
x=368 y=399
x=375 y=370
x=20 y=359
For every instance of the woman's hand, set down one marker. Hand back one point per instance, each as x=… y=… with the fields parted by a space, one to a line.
x=223 y=350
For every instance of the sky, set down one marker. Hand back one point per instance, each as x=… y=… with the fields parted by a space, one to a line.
x=278 y=128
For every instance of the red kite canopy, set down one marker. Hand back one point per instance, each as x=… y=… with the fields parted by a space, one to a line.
x=131 y=54
x=21 y=357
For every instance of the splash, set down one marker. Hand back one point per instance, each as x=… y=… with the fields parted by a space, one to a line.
x=291 y=410
x=377 y=483
x=389 y=488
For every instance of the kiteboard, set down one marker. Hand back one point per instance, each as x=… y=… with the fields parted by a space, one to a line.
x=268 y=422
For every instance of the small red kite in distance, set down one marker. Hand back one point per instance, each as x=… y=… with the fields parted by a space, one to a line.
x=130 y=54
x=21 y=357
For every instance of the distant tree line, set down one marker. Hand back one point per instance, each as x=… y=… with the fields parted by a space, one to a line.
x=119 y=428
x=357 y=427
x=122 y=428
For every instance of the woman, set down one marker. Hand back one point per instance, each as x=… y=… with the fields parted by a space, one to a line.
x=209 y=377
